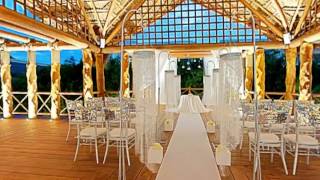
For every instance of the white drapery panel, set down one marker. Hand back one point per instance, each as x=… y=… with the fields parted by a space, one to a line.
x=162 y=65
x=207 y=90
x=173 y=89
x=209 y=63
x=144 y=90
x=215 y=87
x=230 y=77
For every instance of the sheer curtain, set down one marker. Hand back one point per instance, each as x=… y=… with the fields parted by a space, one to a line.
x=144 y=90
x=230 y=79
x=162 y=65
x=172 y=88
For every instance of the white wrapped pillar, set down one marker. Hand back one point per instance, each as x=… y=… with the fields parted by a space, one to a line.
x=32 y=85
x=6 y=84
x=55 y=84
x=173 y=89
x=162 y=65
x=230 y=79
x=144 y=90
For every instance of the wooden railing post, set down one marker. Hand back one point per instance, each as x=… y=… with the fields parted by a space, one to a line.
x=6 y=84
x=100 y=74
x=306 y=50
x=261 y=73
x=55 y=84
x=87 y=74
x=291 y=56
x=32 y=85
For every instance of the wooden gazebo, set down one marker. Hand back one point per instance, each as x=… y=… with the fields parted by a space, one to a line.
x=94 y=26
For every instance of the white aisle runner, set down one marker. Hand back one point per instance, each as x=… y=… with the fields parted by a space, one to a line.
x=189 y=155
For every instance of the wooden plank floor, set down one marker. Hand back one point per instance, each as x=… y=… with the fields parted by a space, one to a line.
x=241 y=168
x=36 y=149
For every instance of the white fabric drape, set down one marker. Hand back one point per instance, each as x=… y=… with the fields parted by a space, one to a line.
x=144 y=90
x=215 y=87
x=207 y=90
x=173 y=89
x=162 y=65
x=230 y=77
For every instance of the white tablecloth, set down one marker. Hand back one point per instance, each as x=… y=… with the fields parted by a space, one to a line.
x=189 y=155
x=191 y=104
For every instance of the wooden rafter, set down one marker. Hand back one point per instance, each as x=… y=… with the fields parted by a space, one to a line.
x=93 y=6
x=22 y=21
x=135 y=4
x=268 y=13
x=263 y=18
x=87 y=20
x=307 y=8
x=293 y=20
x=197 y=47
x=15 y=37
x=282 y=15
x=105 y=27
x=26 y=31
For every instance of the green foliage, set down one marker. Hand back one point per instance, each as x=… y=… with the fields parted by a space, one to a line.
x=191 y=78
x=316 y=73
x=112 y=73
x=275 y=70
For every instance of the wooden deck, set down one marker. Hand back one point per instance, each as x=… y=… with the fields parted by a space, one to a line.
x=36 y=149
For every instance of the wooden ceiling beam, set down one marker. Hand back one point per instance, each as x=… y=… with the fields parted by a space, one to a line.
x=282 y=15
x=135 y=4
x=15 y=37
x=294 y=17
x=263 y=18
x=197 y=47
x=22 y=21
x=307 y=8
x=87 y=20
x=26 y=31
x=311 y=36
x=105 y=27
x=93 y=6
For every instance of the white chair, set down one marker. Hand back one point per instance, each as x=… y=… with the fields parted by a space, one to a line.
x=71 y=106
x=124 y=138
x=303 y=143
x=269 y=143
x=91 y=129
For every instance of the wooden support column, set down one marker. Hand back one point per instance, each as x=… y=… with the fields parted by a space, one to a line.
x=306 y=50
x=87 y=74
x=100 y=74
x=261 y=73
x=32 y=85
x=248 y=75
x=125 y=76
x=55 y=84
x=291 y=56
x=6 y=84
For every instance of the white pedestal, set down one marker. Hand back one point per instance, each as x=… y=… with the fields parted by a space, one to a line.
x=211 y=127
x=168 y=124
x=155 y=154
x=223 y=156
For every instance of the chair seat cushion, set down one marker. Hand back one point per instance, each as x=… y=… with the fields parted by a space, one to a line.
x=115 y=133
x=90 y=131
x=265 y=137
x=303 y=139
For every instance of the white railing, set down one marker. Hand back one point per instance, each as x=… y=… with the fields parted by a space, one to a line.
x=20 y=102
